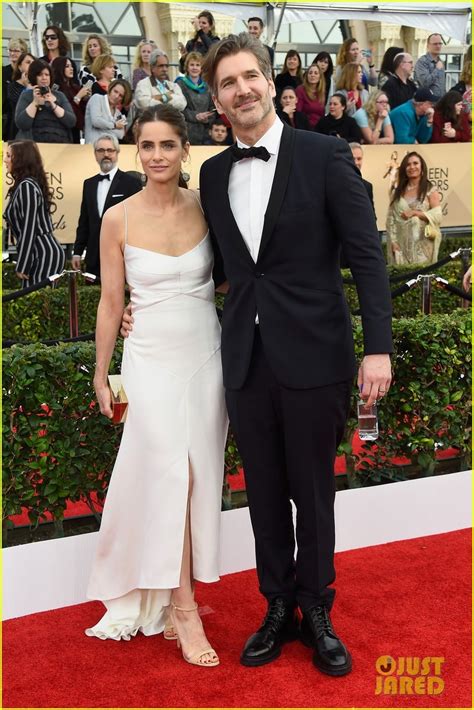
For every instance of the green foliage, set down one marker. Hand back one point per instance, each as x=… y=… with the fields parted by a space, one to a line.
x=429 y=402
x=57 y=446
x=409 y=304
x=450 y=244
x=44 y=314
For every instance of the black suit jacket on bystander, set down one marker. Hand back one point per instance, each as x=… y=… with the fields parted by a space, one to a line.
x=90 y=221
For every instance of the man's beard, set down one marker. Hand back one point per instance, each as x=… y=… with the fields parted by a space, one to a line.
x=106 y=165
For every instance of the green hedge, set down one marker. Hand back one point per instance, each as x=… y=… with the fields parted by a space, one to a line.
x=429 y=403
x=44 y=314
x=408 y=305
x=58 y=447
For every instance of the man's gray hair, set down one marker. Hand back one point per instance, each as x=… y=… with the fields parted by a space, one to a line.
x=154 y=56
x=107 y=137
x=353 y=145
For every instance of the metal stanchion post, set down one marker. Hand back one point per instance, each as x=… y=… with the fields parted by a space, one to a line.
x=426 y=293
x=465 y=255
x=73 y=313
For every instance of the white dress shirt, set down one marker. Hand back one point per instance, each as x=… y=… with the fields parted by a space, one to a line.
x=250 y=184
x=103 y=188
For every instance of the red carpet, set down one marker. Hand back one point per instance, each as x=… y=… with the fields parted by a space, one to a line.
x=410 y=598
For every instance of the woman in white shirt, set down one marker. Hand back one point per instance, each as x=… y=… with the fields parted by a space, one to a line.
x=103 y=113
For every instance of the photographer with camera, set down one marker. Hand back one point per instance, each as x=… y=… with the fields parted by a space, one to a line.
x=43 y=114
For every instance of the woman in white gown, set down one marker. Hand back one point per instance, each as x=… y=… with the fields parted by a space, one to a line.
x=160 y=526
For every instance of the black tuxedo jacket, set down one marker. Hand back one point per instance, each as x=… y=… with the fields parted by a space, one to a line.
x=90 y=221
x=317 y=204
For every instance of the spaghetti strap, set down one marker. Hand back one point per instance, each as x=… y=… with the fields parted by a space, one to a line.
x=125 y=216
x=198 y=200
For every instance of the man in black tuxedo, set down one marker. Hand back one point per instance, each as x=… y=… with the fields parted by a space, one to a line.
x=280 y=204
x=99 y=193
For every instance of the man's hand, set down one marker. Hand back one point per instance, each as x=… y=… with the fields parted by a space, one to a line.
x=127 y=322
x=22 y=276
x=375 y=376
x=76 y=262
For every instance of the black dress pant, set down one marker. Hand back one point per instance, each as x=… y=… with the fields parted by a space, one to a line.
x=288 y=439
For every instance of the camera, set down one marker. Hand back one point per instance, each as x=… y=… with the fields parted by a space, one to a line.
x=44 y=90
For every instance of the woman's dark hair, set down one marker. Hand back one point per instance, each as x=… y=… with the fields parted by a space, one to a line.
x=127 y=97
x=17 y=73
x=63 y=46
x=27 y=163
x=341 y=98
x=445 y=107
x=58 y=66
x=329 y=71
x=165 y=114
x=424 y=185
x=289 y=54
x=36 y=68
x=387 y=67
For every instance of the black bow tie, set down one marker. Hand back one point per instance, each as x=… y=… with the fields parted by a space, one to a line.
x=254 y=152
x=104 y=177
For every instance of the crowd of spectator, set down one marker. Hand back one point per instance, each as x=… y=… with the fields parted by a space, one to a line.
x=404 y=102
x=49 y=100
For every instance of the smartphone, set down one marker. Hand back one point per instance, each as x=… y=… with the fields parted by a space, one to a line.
x=88 y=84
x=366 y=53
x=55 y=87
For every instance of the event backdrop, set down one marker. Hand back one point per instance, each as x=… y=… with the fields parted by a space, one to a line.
x=449 y=167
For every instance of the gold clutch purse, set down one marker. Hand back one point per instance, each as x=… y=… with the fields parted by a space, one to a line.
x=119 y=399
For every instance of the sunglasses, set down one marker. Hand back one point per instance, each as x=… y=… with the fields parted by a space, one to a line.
x=50 y=37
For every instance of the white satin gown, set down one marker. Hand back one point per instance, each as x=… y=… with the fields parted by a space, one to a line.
x=172 y=375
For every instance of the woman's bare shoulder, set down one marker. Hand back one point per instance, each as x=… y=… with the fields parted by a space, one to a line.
x=115 y=215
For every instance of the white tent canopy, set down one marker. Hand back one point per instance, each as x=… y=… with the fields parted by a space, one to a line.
x=448 y=18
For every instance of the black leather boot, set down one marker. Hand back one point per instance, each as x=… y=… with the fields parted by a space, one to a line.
x=279 y=626
x=330 y=655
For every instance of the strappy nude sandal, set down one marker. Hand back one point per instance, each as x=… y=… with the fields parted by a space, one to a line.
x=169 y=632
x=197 y=658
